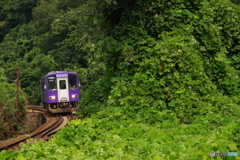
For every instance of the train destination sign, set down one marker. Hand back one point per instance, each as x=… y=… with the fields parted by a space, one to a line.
x=61 y=75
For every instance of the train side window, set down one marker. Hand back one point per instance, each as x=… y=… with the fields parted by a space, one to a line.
x=43 y=89
x=72 y=79
x=42 y=85
x=52 y=83
x=62 y=84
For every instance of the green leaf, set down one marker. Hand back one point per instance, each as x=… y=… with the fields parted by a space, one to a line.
x=20 y=157
x=233 y=147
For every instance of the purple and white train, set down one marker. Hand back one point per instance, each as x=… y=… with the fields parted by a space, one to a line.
x=60 y=91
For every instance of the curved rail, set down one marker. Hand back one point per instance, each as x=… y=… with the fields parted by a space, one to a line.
x=38 y=108
x=50 y=127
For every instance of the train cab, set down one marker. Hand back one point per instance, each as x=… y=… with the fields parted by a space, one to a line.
x=60 y=91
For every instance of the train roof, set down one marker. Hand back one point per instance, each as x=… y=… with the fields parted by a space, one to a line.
x=58 y=72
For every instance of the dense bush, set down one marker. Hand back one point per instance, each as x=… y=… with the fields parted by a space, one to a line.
x=8 y=101
x=176 y=56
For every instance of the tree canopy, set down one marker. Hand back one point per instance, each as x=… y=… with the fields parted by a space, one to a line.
x=181 y=56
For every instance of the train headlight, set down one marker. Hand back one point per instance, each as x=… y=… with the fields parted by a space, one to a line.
x=52 y=97
x=74 y=96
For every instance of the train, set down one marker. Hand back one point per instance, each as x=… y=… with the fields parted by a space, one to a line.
x=60 y=91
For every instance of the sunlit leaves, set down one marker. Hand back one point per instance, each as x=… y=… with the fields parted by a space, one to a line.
x=103 y=139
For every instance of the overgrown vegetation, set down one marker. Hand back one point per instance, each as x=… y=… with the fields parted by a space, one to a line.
x=8 y=102
x=161 y=78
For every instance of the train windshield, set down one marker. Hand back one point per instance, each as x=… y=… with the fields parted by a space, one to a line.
x=52 y=83
x=72 y=79
x=62 y=84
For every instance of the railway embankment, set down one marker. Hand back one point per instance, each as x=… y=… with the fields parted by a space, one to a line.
x=43 y=125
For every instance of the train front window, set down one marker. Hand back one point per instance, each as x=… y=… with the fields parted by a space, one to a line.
x=52 y=83
x=72 y=78
x=62 y=84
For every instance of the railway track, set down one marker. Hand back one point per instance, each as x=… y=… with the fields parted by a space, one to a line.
x=50 y=127
x=37 y=108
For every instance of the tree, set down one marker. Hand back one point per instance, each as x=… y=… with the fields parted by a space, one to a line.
x=180 y=56
x=43 y=15
x=66 y=4
x=236 y=2
x=13 y=13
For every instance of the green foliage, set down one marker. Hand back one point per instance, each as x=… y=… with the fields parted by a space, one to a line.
x=110 y=138
x=8 y=100
x=13 y=13
x=162 y=78
x=67 y=4
x=43 y=15
x=32 y=74
x=178 y=57
x=65 y=50
x=236 y=1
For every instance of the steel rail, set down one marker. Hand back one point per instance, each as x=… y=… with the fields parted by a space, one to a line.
x=51 y=126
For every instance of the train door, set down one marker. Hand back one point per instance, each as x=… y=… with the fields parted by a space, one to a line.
x=63 y=95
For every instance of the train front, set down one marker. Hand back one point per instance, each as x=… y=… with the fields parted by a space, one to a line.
x=62 y=92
